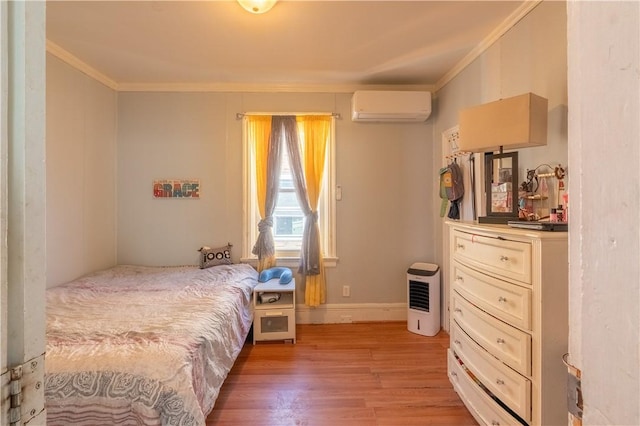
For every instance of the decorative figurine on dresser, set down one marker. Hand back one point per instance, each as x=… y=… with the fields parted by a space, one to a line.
x=509 y=323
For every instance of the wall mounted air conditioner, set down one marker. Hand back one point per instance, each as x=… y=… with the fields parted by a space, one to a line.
x=390 y=106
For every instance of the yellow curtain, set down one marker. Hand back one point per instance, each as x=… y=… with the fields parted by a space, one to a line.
x=258 y=132
x=316 y=131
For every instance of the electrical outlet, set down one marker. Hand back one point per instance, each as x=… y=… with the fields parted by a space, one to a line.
x=345 y=319
x=346 y=291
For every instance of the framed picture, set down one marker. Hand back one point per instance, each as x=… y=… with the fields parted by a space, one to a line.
x=504 y=174
x=501 y=183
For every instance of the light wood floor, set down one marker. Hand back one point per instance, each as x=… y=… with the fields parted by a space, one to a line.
x=342 y=375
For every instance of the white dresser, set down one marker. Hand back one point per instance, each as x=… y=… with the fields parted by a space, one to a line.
x=509 y=323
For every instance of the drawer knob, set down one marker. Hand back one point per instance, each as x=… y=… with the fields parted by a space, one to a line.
x=500 y=340
x=504 y=258
x=460 y=246
x=500 y=382
x=459 y=278
x=502 y=299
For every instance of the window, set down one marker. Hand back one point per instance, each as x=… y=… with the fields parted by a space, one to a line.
x=288 y=219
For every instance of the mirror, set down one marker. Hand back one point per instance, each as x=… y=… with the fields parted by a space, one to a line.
x=501 y=185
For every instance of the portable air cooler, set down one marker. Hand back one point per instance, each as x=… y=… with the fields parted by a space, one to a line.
x=423 y=299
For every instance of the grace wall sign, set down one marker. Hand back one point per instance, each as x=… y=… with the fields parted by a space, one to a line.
x=176 y=188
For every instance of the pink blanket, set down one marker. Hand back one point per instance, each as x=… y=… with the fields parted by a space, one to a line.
x=144 y=345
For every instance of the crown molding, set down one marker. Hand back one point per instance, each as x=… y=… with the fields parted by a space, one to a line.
x=494 y=36
x=72 y=60
x=83 y=67
x=261 y=88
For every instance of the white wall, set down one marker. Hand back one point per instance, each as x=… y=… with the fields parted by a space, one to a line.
x=604 y=154
x=81 y=135
x=176 y=135
x=530 y=57
x=383 y=220
x=22 y=208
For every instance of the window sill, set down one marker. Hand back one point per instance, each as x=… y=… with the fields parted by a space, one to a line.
x=290 y=262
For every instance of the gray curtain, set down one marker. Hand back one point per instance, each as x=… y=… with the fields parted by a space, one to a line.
x=310 y=250
x=264 y=247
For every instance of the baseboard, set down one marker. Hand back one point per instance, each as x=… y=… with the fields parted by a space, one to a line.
x=352 y=312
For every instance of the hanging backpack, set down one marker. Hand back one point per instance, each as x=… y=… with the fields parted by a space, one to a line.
x=451 y=189
x=445 y=180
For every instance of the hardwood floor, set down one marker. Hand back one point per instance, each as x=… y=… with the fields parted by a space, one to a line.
x=342 y=375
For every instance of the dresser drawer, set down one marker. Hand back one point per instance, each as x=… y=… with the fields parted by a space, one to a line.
x=506 y=301
x=480 y=404
x=506 y=258
x=508 y=344
x=508 y=386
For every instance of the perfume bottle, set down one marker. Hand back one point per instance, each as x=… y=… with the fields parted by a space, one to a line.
x=544 y=189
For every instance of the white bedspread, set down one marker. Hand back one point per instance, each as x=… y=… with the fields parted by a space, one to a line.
x=144 y=345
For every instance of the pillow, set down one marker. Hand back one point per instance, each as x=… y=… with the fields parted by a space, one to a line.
x=215 y=256
x=283 y=274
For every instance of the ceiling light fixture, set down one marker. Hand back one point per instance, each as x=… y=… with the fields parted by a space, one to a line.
x=257 y=6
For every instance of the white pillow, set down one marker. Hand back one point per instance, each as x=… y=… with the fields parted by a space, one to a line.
x=215 y=256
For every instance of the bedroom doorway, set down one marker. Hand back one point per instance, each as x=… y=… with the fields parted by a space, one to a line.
x=22 y=211
x=4 y=113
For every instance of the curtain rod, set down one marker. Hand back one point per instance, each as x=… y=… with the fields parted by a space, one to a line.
x=240 y=115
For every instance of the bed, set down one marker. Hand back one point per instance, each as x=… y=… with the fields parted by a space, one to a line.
x=144 y=345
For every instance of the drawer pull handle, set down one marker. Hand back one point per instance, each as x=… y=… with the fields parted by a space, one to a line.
x=502 y=299
x=500 y=341
x=459 y=278
x=495 y=423
x=454 y=374
x=504 y=258
x=500 y=382
x=458 y=310
x=457 y=342
x=460 y=246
